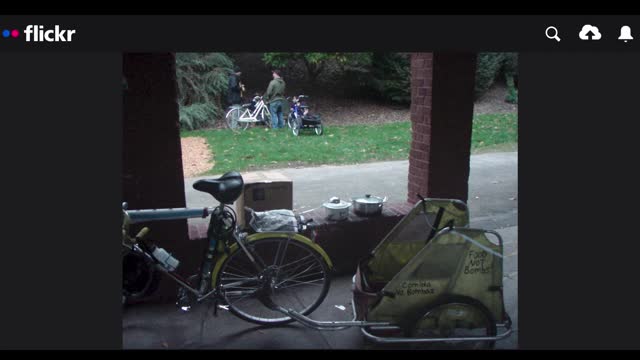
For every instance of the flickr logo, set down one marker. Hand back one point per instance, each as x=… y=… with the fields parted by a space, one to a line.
x=37 y=33
x=10 y=33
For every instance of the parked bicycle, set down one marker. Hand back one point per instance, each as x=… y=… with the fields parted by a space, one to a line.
x=249 y=273
x=300 y=116
x=298 y=108
x=241 y=116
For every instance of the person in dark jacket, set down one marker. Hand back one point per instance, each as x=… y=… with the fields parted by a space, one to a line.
x=234 y=95
x=275 y=98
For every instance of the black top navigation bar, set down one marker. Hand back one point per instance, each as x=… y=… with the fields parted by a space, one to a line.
x=320 y=33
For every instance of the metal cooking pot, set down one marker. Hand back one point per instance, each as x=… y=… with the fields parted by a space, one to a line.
x=336 y=209
x=368 y=205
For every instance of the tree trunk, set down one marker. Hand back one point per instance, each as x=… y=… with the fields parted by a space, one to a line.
x=313 y=70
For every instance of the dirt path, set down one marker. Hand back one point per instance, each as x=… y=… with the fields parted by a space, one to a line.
x=339 y=111
x=196 y=156
x=492 y=102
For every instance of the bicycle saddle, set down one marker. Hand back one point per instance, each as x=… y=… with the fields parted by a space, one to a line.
x=226 y=189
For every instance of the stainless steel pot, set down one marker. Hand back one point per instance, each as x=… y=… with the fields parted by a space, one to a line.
x=368 y=205
x=336 y=209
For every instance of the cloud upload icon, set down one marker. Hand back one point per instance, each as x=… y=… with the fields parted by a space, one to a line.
x=590 y=33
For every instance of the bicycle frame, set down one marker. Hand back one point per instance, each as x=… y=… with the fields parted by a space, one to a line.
x=138 y=216
x=213 y=257
x=252 y=117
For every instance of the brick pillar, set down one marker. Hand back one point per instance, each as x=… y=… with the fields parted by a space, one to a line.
x=441 y=121
x=152 y=156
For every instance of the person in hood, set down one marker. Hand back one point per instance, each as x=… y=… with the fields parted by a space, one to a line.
x=234 y=95
x=275 y=98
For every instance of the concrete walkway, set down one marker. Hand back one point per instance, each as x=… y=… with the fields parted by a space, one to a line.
x=493 y=186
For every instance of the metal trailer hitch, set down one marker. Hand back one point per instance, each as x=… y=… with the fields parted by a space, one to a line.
x=320 y=325
x=340 y=325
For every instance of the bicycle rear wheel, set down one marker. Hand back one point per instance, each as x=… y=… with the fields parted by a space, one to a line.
x=233 y=120
x=294 y=276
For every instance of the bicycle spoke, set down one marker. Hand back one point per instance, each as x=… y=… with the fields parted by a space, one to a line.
x=297 y=261
x=301 y=276
x=302 y=283
x=242 y=271
x=280 y=258
x=295 y=274
x=297 y=268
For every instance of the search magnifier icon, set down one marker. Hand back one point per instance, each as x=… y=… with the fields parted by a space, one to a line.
x=552 y=33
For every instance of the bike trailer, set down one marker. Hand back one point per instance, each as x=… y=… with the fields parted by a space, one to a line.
x=435 y=279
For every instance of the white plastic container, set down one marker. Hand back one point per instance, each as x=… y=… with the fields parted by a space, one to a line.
x=168 y=262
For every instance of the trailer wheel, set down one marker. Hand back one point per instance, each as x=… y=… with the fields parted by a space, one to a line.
x=458 y=316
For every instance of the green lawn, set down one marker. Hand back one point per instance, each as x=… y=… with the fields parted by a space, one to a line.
x=494 y=131
x=260 y=148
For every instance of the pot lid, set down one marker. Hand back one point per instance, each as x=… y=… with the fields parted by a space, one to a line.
x=368 y=199
x=336 y=203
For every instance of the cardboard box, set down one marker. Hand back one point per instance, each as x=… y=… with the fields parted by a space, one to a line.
x=264 y=191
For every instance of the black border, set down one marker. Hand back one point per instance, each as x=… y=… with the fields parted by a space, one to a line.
x=61 y=152
x=577 y=255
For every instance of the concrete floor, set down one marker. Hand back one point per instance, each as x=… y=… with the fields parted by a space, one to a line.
x=166 y=327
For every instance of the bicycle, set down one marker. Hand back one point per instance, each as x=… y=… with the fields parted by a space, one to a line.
x=299 y=117
x=253 y=274
x=297 y=110
x=240 y=116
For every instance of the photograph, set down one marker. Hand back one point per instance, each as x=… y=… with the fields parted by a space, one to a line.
x=320 y=200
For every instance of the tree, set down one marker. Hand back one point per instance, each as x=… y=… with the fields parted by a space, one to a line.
x=391 y=77
x=202 y=83
x=316 y=62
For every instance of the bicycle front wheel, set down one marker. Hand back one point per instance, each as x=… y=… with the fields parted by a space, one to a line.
x=265 y=118
x=290 y=120
x=292 y=274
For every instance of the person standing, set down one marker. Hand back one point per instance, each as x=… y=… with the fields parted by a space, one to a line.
x=275 y=98
x=234 y=95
